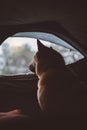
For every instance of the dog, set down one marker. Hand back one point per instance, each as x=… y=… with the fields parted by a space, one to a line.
x=57 y=86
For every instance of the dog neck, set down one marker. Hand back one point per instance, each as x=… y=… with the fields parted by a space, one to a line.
x=52 y=69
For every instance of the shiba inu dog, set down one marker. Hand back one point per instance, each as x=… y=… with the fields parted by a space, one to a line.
x=56 y=85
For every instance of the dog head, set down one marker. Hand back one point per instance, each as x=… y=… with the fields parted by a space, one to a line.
x=46 y=58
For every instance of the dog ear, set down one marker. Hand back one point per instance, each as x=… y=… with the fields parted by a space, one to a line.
x=40 y=46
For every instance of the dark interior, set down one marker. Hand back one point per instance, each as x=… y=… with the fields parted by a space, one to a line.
x=66 y=20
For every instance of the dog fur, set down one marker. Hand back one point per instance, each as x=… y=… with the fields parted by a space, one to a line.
x=57 y=86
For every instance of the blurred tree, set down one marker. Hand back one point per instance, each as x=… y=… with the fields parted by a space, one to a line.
x=16 y=60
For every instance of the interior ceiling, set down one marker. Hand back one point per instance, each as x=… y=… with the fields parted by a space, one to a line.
x=69 y=13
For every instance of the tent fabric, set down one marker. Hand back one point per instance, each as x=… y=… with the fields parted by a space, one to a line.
x=70 y=14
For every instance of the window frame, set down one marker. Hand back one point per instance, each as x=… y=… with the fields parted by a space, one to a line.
x=31 y=35
x=52 y=27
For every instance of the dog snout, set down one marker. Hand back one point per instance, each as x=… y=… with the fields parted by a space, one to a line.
x=32 y=66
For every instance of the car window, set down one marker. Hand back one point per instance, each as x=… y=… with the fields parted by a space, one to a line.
x=17 y=52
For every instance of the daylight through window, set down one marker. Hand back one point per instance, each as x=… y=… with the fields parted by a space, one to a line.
x=17 y=52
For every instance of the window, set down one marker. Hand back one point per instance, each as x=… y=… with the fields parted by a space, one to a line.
x=17 y=52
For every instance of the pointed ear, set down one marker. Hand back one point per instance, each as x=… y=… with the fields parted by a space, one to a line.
x=40 y=46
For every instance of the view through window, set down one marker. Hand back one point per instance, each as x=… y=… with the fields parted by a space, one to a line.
x=17 y=52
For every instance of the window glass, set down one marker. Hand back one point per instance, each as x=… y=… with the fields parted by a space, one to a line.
x=69 y=55
x=17 y=52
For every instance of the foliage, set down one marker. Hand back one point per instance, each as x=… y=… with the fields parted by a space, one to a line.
x=16 y=59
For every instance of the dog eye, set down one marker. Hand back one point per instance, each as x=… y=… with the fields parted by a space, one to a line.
x=35 y=57
x=38 y=55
